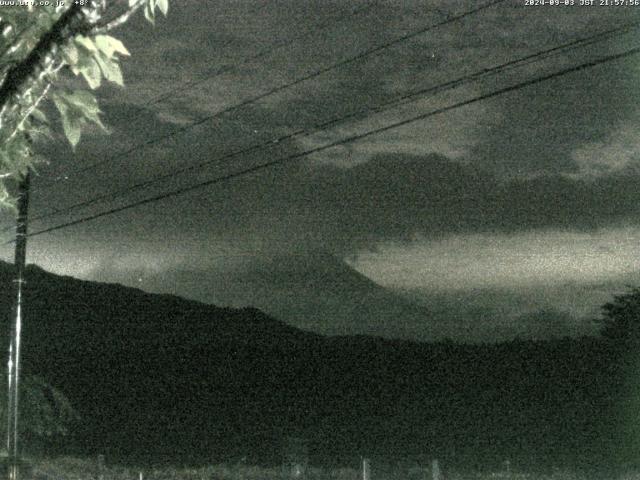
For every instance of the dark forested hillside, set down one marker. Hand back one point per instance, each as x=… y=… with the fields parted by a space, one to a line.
x=159 y=375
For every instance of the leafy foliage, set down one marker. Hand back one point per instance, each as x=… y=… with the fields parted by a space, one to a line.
x=150 y=8
x=45 y=412
x=88 y=53
x=77 y=109
x=621 y=318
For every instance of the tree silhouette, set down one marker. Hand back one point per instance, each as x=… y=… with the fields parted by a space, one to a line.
x=47 y=413
x=621 y=318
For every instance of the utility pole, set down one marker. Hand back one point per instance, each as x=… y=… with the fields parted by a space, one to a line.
x=13 y=367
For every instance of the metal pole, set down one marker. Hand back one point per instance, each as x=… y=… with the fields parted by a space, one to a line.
x=13 y=369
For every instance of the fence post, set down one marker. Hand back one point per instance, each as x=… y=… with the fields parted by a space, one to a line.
x=435 y=470
x=100 y=467
x=366 y=469
x=507 y=467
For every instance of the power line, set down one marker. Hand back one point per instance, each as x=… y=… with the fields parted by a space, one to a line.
x=532 y=58
x=262 y=53
x=351 y=139
x=281 y=88
x=212 y=73
x=411 y=96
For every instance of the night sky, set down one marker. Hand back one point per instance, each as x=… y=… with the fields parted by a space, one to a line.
x=512 y=216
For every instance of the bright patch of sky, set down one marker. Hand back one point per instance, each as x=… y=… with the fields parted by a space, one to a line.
x=528 y=259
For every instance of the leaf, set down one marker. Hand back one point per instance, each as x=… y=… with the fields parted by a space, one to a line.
x=149 y=11
x=7 y=202
x=94 y=118
x=91 y=72
x=72 y=119
x=21 y=165
x=72 y=127
x=39 y=115
x=79 y=104
x=16 y=156
x=86 y=42
x=110 y=45
x=88 y=68
x=81 y=99
x=70 y=53
x=163 y=6
x=43 y=20
x=110 y=69
x=7 y=29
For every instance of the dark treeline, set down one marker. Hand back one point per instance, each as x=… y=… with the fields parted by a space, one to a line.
x=155 y=376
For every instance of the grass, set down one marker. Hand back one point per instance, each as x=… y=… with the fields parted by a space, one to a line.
x=70 y=468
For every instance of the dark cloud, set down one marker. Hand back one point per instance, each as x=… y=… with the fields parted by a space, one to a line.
x=539 y=127
x=343 y=210
x=399 y=198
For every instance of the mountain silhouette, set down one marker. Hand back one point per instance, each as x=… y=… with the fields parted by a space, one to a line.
x=313 y=291
x=159 y=376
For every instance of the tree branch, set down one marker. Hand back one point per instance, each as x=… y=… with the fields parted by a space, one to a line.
x=72 y=21
x=30 y=110
x=119 y=20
